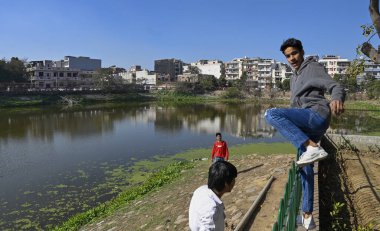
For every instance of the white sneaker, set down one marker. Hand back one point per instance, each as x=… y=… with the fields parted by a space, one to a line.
x=311 y=155
x=308 y=223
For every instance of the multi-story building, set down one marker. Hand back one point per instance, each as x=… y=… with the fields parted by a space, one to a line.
x=146 y=77
x=233 y=70
x=209 y=67
x=189 y=78
x=250 y=67
x=136 y=75
x=170 y=67
x=334 y=64
x=50 y=75
x=80 y=63
x=371 y=70
x=280 y=72
x=264 y=72
x=129 y=76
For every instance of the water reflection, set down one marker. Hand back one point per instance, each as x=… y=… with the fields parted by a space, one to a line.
x=239 y=120
x=356 y=122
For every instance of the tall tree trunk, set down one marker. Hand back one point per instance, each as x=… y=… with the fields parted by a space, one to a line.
x=367 y=48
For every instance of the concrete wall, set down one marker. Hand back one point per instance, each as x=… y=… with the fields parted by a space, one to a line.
x=360 y=142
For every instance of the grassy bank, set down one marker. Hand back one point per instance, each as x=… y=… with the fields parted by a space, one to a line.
x=163 y=170
x=362 y=105
x=53 y=98
x=81 y=99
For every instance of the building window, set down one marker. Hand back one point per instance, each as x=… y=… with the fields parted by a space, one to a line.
x=40 y=74
x=60 y=74
x=48 y=74
x=68 y=74
x=75 y=74
x=55 y=74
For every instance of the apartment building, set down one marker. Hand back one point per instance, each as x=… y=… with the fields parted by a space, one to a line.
x=146 y=77
x=51 y=75
x=371 y=69
x=168 y=67
x=80 y=63
x=233 y=70
x=334 y=64
x=137 y=75
x=129 y=76
x=209 y=67
x=280 y=72
x=264 y=72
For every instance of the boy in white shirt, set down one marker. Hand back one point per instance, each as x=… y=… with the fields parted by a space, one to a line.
x=206 y=210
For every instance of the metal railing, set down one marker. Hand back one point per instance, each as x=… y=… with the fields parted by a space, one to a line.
x=289 y=204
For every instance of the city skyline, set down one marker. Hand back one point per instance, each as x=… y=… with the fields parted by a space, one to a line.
x=127 y=33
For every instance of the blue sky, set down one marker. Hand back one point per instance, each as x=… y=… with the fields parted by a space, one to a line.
x=126 y=32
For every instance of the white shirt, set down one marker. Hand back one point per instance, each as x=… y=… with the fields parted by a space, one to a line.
x=206 y=211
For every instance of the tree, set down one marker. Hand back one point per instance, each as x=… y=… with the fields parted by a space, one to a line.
x=186 y=88
x=208 y=82
x=13 y=70
x=233 y=92
x=194 y=70
x=349 y=80
x=366 y=47
x=104 y=78
x=373 y=89
x=240 y=83
x=278 y=84
x=286 y=85
x=222 y=81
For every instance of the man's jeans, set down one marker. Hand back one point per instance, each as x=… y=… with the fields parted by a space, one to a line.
x=299 y=125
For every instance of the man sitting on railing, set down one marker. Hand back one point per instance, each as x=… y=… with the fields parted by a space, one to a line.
x=305 y=123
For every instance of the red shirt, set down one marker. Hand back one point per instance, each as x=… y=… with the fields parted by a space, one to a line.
x=220 y=149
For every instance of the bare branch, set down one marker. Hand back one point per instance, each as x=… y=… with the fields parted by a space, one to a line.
x=370 y=52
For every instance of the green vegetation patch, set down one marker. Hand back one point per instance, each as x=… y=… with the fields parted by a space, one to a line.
x=154 y=181
x=243 y=149
x=362 y=105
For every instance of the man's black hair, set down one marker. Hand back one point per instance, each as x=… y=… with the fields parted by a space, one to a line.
x=218 y=134
x=291 y=42
x=219 y=173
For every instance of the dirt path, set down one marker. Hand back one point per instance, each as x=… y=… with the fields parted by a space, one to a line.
x=167 y=208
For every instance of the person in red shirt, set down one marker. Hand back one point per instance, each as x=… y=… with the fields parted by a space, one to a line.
x=220 y=149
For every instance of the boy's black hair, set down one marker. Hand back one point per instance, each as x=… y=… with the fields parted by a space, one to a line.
x=219 y=173
x=218 y=134
x=291 y=42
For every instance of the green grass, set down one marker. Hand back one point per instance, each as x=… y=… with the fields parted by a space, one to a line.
x=362 y=105
x=243 y=149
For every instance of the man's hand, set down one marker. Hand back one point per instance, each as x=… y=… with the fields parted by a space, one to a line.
x=337 y=107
